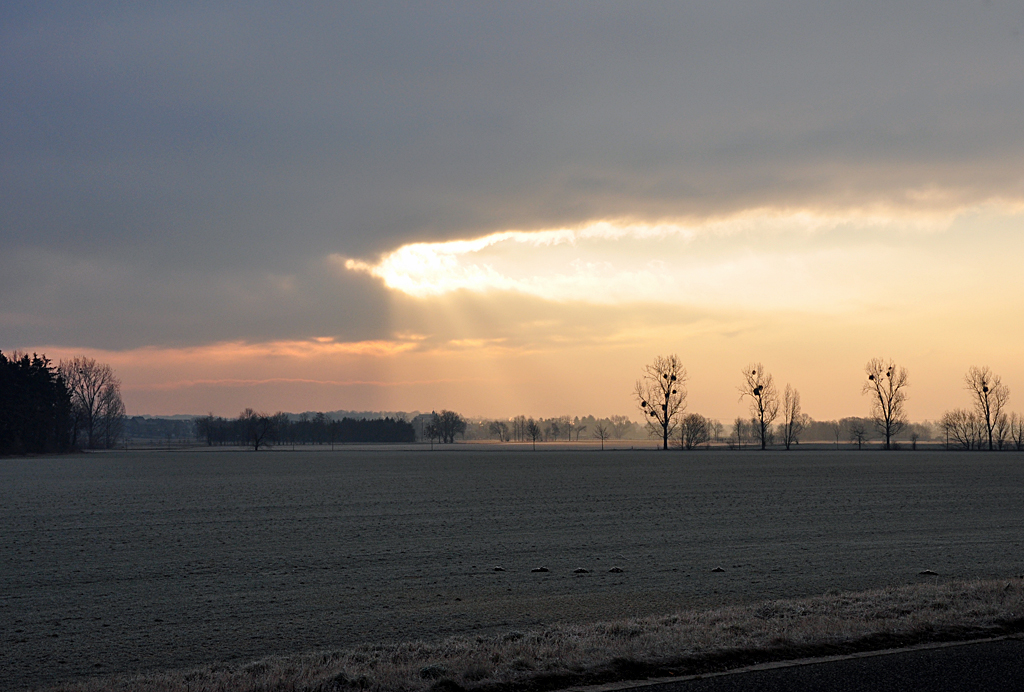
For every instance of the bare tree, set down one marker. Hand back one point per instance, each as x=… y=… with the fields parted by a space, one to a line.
x=764 y=400
x=433 y=429
x=95 y=390
x=281 y=428
x=739 y=431
x=990 y=397
x=257 y=427
x=565 y=425
x=858 y=434
x=754 y=433
x=579 y=428
x=446 y=425
x=963 y=427
x=620 y=426
x=519 y=428
x=695 y=430
x=205 y=428
x=661 y=394
x=716 y=430
x=885 y=385
x=533 y=431
x=602 y=432
x=110 y=415
x=792 y=417
x=499 y=429
x=837 y=430
x=1016 y=431
x=1001 y=432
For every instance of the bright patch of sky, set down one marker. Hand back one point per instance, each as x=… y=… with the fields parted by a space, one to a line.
x=761 y=258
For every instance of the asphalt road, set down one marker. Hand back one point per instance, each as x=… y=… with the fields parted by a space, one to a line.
x=990 y=666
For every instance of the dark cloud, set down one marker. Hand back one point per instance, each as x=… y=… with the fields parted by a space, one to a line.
x=155 y=151
x=102 y=302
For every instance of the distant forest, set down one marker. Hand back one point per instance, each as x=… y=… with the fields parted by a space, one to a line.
x=258 y=429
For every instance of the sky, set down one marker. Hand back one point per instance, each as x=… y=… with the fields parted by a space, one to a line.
x=505 y=208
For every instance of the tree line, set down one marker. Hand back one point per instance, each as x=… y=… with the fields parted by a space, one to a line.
x=527 y=429
x=46 y=408
x=77 y=404
x=257 y=429
x=985 y=424
x=661 y=395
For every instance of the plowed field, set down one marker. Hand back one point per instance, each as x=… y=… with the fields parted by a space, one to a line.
x=133 y=561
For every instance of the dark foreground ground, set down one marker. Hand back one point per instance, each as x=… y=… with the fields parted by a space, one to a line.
x=136 y=561
x=976 y=667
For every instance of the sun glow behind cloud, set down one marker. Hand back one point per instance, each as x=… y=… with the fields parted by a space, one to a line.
x=765 y=258
x=813 y=293
x=521 y=313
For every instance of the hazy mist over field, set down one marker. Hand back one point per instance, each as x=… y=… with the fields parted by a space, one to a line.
x=510 y=208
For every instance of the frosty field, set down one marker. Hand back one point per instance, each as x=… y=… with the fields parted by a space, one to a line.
x=135 y=561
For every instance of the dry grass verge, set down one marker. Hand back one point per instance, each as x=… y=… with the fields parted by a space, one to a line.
x=683 y=643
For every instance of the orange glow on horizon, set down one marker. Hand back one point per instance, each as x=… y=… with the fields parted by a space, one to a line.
x=811 y=298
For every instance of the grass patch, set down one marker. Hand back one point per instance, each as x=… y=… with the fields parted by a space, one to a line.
x=683 y=643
